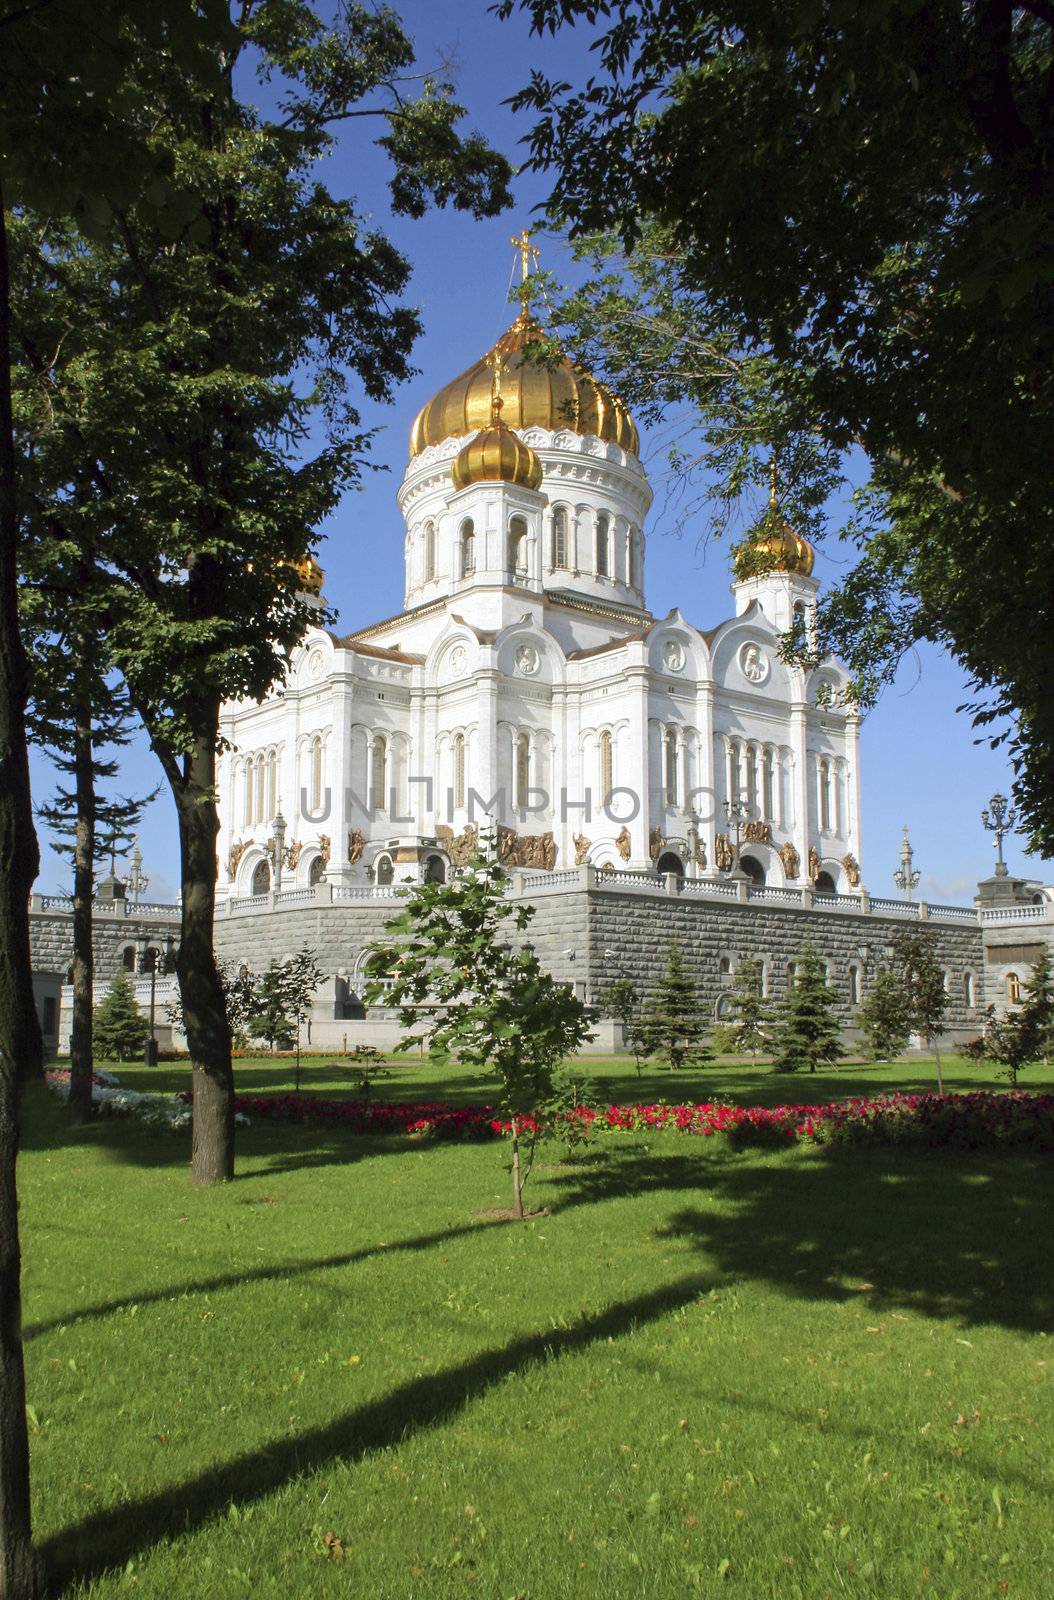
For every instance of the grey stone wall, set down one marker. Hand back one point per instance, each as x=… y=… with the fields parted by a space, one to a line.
x=638 y=930
x=51 y=937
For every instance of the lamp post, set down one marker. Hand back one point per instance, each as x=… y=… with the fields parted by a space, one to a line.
x=905 y=879
x=278 y=829
x=736 y=813
x=137 y=879
x=149 y=958
x=999 y=818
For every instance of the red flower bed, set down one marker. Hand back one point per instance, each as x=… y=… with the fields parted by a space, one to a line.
x=964 y=1121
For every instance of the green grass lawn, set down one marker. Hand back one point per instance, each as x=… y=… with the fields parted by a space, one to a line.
x=799 y=1373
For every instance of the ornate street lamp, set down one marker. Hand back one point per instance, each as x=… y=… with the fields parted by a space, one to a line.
x=137 y=880
x=999 y=818
x=905 y=879
x=736 y=813
x=149 y=959
x=278 y=829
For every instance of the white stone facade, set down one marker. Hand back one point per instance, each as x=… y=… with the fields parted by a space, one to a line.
x=523 y=684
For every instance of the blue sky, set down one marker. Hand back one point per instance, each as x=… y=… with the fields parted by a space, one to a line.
x=920 y=761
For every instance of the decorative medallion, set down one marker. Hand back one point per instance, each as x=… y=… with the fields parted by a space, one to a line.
x=527 y=660
x=457 y=662
x=753 y=663
x=673 y=656
x=315 y=663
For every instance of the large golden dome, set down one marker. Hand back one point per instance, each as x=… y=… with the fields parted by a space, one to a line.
x=535 y=396
x=496 y=455
x=777 y=549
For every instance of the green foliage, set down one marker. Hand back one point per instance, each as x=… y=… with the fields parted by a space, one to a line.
x=808 y=1033
x=281 y=999
x=239 y=993
x=449 y=971
x=861 y=198
x=1026 y=1034
x=673 y=1025
x=749 y=1029
x=367 y=1069
x=922 y=981
x=119 y=1028
x=885 y=1016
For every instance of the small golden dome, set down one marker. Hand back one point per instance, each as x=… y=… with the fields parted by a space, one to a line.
x=310 y=574
x=535 y=396
x=496 y=455
x=776 y=548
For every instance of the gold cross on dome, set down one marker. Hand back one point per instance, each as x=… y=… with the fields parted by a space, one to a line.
x=528 y=252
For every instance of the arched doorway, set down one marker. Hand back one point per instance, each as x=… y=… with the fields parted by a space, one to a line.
x=669 y=862
x=261 y=883
x=317 y=871
x=753 y=869
x=825 y=884
x=435 y=869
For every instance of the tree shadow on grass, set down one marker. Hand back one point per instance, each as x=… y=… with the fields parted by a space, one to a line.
x=949 y=1234
x=111 y=1538
x=280 y=1272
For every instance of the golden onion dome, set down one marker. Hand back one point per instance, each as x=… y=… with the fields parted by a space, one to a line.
x=310 y=574
x=536 y=395
x=496 y=455
x=776 y=549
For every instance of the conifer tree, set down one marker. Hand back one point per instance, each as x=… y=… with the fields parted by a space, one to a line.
x=885 y=1016
x=119 y=1026
x=915 y=960
x=808 y=1033
x=749 y=1025
x=1037 y=1008
x=673 y=1024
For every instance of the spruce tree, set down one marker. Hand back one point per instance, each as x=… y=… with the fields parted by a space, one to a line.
x=809 y=1031
x=673 y=1025
x=1037 y=1009
x=119 y=1030
x=749 y=1026
x=885 y=1017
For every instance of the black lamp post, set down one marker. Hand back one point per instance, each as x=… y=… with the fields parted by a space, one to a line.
x=149 y=959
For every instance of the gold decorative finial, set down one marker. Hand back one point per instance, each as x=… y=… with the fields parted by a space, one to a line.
x=773 y=482
x=528 y=252
x=495 y=361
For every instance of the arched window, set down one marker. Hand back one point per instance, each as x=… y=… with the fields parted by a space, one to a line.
x=272 y=783
x=724 y=970
x=559 y=550
x=316 y=772
x=768 y=787
x=603 y=545
x=379 y=787
x=317 y=871
x=671 y=766
x=968 y=990
x=607 y=767
x=518 y=546
x=127 y=960
x=752 y=779
x=459 y=769
x=430 y=551
x=854 y=986
x=669 y=862
x=825 y=884
x=753 y=869
x=792 y=974
x=261 y=883
x=1013 y=988
x=247 y=780
x=634 y=558
x=385 y=870
x=435 y=870
x=468 y=548
x=825 y=795
x=261 y=812
x=523 y=768
x=733 y=769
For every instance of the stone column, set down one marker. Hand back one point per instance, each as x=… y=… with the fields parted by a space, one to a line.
x=799 y=747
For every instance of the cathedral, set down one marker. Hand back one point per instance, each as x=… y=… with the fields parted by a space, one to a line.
x=526 y=693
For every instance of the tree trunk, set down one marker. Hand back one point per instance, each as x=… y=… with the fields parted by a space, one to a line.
x=517 y=1186
x=83 y=886
x=20 y=1049
x=204 y=1006
x=940 y=1075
